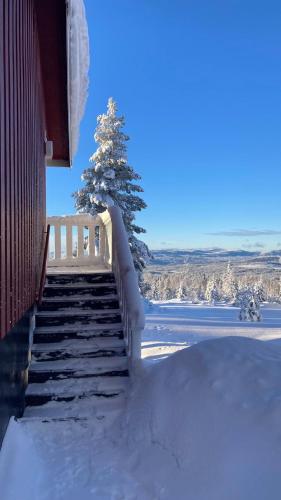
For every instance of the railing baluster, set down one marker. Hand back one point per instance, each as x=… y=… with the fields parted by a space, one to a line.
x=92 y=240
x=57 y=241
x=69 y=241
x=102 y=240
x=80 y=241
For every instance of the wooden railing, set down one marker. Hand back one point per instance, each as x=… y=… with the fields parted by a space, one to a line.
x=102 y=242
x=76 y=240
x=44 y=266
x=119 y=257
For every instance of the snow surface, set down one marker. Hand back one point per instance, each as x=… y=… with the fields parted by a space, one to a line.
x=78 y=67
x=202 y=423
x=174 y=325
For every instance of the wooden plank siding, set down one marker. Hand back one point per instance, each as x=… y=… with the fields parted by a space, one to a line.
x=22 y=162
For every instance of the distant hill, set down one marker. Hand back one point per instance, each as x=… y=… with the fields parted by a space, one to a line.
x=210 y=255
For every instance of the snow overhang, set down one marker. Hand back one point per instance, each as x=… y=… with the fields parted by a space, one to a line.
x=64 y=55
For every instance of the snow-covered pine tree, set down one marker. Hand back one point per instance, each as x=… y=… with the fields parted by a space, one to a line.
x=110 y=180
x=229 y=285
x=249 y=305
x=181 y=292
x=212 y=294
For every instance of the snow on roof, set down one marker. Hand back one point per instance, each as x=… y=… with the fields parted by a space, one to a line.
x=78 y=66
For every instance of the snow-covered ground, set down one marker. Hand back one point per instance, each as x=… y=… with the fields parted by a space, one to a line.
x=201 y=424
x=174 y=325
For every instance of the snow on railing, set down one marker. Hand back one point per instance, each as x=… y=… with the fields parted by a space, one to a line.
x=102 y=242
x=120 y=259
x=76 y=240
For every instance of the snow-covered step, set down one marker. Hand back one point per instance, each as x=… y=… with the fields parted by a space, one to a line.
x=80 y=289
x=42 y=376
x=80 y=344
x=42 y=399
x=84 y=329
x=49 y=334
x=89 y=407
x=76 y=386
x=72 y=353
x=95 y=366
x=81 y=303
x=76 y=312
x=78 y=317
x=79 y=298
x=106 y=277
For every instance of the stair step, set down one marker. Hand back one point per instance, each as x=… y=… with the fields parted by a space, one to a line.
x=98 y=365
x=42 y=399
x=80 y=345
x=76 y=386
x=77 y=317
x=80 y=289
x=61 y=333
x=42 y=376
x=79 y=365
x=76 y=312
x=94 y=406
x=62 y=354
x=43 y=420
x=106 y=277
x=83 y=304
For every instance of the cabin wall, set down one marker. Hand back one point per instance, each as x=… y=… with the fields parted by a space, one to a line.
x=14 y=360
x=22 y=196
x=22 y=162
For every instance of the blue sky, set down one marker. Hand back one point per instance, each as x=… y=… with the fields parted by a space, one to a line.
x=199 y=83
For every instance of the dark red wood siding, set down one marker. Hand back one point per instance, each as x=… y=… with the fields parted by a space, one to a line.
x=22 y=163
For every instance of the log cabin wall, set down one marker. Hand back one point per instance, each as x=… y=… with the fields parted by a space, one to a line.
x=22 y=162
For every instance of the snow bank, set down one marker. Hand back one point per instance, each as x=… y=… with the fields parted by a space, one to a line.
x=78 y=67
x=205 y=423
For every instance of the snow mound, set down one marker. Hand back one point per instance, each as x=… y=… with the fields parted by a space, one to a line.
x=205 y=423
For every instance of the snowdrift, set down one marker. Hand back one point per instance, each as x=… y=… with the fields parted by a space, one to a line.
x=205 y=423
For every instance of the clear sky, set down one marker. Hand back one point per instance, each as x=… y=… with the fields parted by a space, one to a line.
x=199 y=83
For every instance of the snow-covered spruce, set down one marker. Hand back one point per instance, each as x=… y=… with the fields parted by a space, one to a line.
x=212 y=293
x=110 y=180
x=181 y=292
x=250 y=305
x=229 y=285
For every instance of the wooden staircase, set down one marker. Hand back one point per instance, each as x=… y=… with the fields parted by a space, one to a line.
x=79 y=366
